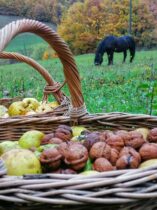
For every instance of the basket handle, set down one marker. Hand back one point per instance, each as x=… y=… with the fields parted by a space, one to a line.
x=59 y=96
x=70 y=70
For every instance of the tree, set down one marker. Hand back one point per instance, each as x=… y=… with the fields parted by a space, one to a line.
x=86 y=23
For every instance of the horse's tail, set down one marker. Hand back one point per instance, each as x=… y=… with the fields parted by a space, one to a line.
x=132 y=47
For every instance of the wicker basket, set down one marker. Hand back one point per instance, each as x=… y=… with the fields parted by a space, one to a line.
x=115 y=187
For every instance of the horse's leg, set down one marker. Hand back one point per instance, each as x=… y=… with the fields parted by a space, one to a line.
x=108 y=55
x=125 y=54
x=111 y=57
x=132 y=54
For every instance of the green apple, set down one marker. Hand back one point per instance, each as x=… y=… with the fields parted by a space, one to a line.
x=8 y=145
x=43 y=107
x=19 y=162
x=46 y=146
x=31 y=139
x=148 y=163
x=90 y=172
x=53 y=104
x=3 y=110
x=144 y=132
x=16 y=108
x=76 y=130
x=30 y=104
x=30 y=113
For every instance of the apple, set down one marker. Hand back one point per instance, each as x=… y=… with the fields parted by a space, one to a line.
x=19 y=162
x=30 y=104
x=46 y=146
x=16 y=108
x=53 y=104
x=144 y=132
x=148 y=163
x=31 y=139
x=43 y=107
x=30 y=113
x=8 y=145
x=76 y=130
x=89 y=172
x=3 y=111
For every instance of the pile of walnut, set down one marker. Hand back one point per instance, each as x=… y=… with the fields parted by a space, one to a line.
x=107 y=150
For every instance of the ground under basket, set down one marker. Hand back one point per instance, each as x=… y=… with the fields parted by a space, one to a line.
x=116 y=187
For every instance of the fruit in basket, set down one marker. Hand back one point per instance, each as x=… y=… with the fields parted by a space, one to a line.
x=136 y=140
x=17 y=108
x=63 y=132
x=115 y=141
x=30 y=113
x=152 y=136
x=30 y=104
x=20 y=162
x=90 y=172
x=8 y=145
x=100 y=149
x=76 y=130
x=31 y=139
x=3 y=111
x=144 y=132
x=128 y=158
x=88 y=165
x=148 y=151
x=43 y=107
x=148 y=163
x=90 y=139
x=102 y=164
x=46 y=146
x=75 y=155
x=51 y=158
x=53 y=104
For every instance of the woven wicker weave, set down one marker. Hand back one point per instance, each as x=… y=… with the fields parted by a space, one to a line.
x=116 y=187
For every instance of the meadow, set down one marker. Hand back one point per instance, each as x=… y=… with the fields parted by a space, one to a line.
x=121 y=87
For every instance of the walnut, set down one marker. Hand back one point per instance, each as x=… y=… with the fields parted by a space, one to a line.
x=75 y=155
x=51 y=158
x=65 y=171
x=90 y=139
x=47 y=138
x=115 y=141
x=135 y=140
x=63 y=132
x=148 y=151
x=104 y=135
x=128 y=158
x=114 y=156
x=102 y=164
x=152 y=136
x=100 y=149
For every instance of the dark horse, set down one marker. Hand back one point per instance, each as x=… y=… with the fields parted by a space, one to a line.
x=113 y=44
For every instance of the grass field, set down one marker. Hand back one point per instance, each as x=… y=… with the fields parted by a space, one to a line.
x=22 y=42
x=121 y=87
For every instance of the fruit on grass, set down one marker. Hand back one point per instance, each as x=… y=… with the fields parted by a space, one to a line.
x=8 y=145
x=31 y=139
x=30 y=104
x=76 y=130
x=144 y=132
x=19 y=162
x=17 y=108
x=3 y=111
x=148 y=163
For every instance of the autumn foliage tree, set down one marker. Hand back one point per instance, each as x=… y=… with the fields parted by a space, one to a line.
x=86 y=23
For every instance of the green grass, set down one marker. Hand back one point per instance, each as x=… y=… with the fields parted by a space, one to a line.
x=121 y=87
x=23 y=42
